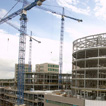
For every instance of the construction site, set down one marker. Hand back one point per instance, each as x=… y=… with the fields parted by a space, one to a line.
x=86 y=85
x=22 y=90
x=47 y=85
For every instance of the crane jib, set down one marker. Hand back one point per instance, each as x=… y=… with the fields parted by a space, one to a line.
x=28 y=7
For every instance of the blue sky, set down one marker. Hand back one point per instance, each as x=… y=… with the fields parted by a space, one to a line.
x=46 y=27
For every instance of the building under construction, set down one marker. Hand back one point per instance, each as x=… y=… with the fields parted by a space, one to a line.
x=46 y=78
x=8 y=97
x=89 y=67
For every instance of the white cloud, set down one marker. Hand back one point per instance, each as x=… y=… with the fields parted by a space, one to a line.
x=14 y=23
x=2 y=12
x=73 y=5
x=8 y=54
x=58 y=16
x=100 y=8
x=47 y=51
x=8 y=43
x=86 y=30
x=6 y=68
x=74 y=34
x=75 y=2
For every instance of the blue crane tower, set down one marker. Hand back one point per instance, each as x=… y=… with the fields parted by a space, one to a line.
x=22 y=46
x=30 y=52
x=61 y=37
x=62 y=42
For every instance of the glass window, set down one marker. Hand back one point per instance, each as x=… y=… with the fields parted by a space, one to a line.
x=59 y=103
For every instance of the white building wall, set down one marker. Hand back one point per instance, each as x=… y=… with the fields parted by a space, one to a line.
x=95 y=103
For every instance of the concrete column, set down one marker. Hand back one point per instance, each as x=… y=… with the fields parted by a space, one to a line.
x=85 y=74
x=98 y=74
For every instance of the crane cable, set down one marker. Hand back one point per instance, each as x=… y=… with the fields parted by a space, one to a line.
x=6 y=15
x=11 y=9
x=51 y=5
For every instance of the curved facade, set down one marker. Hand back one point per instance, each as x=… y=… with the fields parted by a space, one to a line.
x=89 y=67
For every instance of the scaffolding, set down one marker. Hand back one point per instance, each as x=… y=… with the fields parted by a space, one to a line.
x=8 y=97
x=46 y=81
x=34 y=91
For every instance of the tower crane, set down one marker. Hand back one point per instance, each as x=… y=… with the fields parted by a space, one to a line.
x=30 y=52
x=61 y=37
x=29 y=61
x=62 y=41
x=61 y=34
x=22 y=46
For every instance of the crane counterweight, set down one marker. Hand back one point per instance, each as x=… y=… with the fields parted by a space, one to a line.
x=39 y=3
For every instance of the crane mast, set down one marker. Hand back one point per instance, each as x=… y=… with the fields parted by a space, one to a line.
x=22 y=47
x=21 y=58
x=30 y=52
x=61 y=45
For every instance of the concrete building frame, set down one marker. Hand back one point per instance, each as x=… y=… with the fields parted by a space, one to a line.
x=89 y=67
